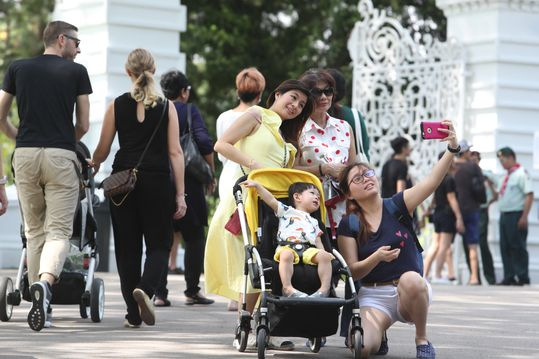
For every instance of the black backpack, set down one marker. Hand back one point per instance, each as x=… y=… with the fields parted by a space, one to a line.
x=479 y=192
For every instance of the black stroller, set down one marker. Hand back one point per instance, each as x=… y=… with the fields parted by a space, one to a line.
x=277 y=315
x=77 y=284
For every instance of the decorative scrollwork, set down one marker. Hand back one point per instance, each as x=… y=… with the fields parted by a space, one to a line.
x=399 y=82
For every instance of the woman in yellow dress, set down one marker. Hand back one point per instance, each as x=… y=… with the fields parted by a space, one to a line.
x=260 y=138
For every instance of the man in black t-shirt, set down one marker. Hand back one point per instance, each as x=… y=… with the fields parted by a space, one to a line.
x=466 y=170
x=47 y=88
x=395 y=171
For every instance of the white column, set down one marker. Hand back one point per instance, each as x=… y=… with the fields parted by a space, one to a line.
x=502 y=43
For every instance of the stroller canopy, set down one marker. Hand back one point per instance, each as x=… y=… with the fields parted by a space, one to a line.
x=277 y=181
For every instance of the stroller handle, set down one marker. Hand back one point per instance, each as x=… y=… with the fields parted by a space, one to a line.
x=237 y=187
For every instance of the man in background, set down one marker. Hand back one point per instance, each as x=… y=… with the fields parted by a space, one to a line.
x=47 y=88
x=492 y=195
x=395 y=176
x=465 y=172
x=514 y=202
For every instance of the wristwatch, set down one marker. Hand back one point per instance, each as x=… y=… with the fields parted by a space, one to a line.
x=3 y=180
x=453 y=150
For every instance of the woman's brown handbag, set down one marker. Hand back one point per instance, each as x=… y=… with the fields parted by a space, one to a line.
x=123 y=182
x=118 y=183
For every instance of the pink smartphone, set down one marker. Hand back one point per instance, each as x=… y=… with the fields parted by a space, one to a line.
x=429 y=130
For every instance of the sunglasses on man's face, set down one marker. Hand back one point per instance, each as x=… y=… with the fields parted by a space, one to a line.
x=328 y=91
x=361 y=178
x=77 y=41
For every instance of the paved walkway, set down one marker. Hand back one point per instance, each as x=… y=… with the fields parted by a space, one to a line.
x=464 y=322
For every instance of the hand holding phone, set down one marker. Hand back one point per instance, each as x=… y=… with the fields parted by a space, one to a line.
x=429 y=130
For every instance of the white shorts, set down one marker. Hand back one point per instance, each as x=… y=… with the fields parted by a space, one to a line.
x=385 y=298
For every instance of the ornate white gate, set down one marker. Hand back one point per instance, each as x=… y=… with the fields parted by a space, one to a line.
x=399 y=82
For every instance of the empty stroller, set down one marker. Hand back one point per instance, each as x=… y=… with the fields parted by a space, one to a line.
x=277 y=315
x=77 y=284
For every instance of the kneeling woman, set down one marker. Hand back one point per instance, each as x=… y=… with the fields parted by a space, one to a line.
x=381 y=251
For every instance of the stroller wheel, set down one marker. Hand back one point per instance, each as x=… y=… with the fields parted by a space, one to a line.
x=261 y=342
x=357 y=342
x=6 y=309
x=97 y=300
x=83 y=309
x=241 y=337
x=315 y=344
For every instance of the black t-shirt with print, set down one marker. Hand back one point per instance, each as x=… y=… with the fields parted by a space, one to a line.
x=46 y=88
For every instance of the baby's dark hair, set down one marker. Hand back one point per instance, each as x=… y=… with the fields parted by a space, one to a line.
x=298 y=187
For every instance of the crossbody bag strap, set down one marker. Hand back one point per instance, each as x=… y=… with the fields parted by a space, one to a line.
x=165 y=106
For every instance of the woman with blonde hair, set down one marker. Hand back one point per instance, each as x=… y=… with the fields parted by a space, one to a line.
x=147 y=211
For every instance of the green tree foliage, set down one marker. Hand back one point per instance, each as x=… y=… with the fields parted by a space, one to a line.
x=282 y=38
x=21 y=27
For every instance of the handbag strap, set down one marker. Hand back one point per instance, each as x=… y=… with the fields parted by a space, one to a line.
x=153 y=135
x=359 y=131
x=189 y=120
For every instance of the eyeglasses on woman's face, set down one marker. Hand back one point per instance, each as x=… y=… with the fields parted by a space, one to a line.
x=317 y=92
x=358 y=179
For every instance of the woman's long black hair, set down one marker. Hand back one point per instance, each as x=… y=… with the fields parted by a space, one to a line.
x=351 y=204
x=291 y=128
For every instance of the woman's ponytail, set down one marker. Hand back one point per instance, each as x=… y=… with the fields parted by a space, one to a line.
x=141 y=65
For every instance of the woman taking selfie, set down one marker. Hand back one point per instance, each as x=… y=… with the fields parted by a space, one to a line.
x=379 y=246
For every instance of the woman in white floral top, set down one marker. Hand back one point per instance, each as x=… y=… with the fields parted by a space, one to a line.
x=326 y=144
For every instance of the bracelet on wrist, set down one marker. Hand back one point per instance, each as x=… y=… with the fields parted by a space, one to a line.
x=453 y=150
x=181 y=195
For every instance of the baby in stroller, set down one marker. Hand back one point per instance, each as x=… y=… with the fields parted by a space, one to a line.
x=282 y=312
x=299 y=236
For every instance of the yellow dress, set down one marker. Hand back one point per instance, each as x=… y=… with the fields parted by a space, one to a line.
x=224 y=256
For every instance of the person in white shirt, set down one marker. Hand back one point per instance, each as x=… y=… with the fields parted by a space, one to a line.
x=250 y=85
x=515 y=198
